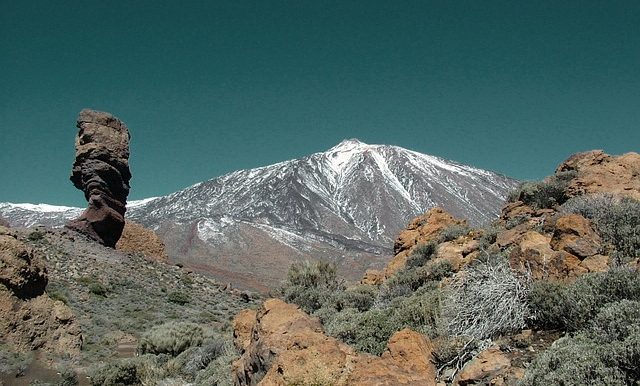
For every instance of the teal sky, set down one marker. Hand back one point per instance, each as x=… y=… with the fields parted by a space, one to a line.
x=208 y=87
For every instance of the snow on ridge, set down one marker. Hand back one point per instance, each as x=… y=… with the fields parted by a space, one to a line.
x=43 y=208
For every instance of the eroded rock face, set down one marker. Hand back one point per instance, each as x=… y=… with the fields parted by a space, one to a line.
x=30 y=319
x=287 y=346
x=21 y=272
x=101 y=171
x=603 y=173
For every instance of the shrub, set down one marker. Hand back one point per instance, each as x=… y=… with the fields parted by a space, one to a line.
x=179 y=297
x=170 y=338
x=367 y=331
x=615 y=218
x=145 y=369
x=544 y=194
x=97 y=288
x=421 y=255
x=607 y=352
x=35 y=236
x=453 y=232
x=409 y=280
x=360 y=297
x=572 y=306
x=123 y=372
x=310 y=285
x=195 y=359
x=486 y=299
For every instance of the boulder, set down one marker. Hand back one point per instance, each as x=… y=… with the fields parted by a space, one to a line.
x=534 y=254
x=487 y=368
x=289 y=347
x=406 y=361
x=138 y=239
x=21 y=271
x=574 y=234
x=101 y=171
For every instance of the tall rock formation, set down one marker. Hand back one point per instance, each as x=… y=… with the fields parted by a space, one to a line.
x=101 y=171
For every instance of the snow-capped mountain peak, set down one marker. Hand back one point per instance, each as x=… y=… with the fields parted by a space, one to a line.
x=347 y=203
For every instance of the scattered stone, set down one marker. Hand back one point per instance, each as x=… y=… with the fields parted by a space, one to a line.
x=101 y=171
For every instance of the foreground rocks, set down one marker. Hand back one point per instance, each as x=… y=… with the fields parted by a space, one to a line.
x=101 y=171
x=30 y=319
x=286 y=346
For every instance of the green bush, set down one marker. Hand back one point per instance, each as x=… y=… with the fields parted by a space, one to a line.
x=421 y=254
x=123 y=372
x=607 y=352
x=544 y=194
x=486 y=299
x=616 y=220
x=171 y=338
x=360 y=297
x=310 y=285
x=99 y=289
x=366 y=331
x=145 y=369
x=571 y=307
x=409 y=280
x=179 y=297
x=369 y=331
x=453 y=232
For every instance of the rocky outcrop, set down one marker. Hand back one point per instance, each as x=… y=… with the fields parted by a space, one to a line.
x=574 y=234
x=490 y=367
x=598 y=172
x=4 y=222
x=138 y=239
x=287 y=346
x=30 y=319
x=101 y=171
x=20 y=271
x=420 y=230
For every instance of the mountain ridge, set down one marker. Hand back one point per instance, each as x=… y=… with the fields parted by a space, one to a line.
x=347 y=203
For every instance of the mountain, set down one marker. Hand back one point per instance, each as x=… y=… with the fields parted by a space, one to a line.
x=345 y=205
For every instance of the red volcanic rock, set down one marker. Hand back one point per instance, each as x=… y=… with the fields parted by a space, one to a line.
x=602 y=173
x=101 y=171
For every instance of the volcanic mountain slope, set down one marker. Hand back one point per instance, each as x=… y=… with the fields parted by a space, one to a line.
x=346 y=204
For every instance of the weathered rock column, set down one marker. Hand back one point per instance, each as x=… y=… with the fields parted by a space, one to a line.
x=101 y=171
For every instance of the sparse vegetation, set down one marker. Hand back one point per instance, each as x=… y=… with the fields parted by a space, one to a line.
x=453 y=232
x=544 y=194
x=616 y=219
x=171 y=338
x=571 y=307
x=605 y=353
x=310 y=285
x=486 y=299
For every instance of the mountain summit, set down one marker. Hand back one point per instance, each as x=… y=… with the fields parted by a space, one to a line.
x=346 y=204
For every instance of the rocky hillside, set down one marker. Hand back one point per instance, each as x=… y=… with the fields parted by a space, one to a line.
x=71 y=307
x=345 y=205
x=548 y=294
